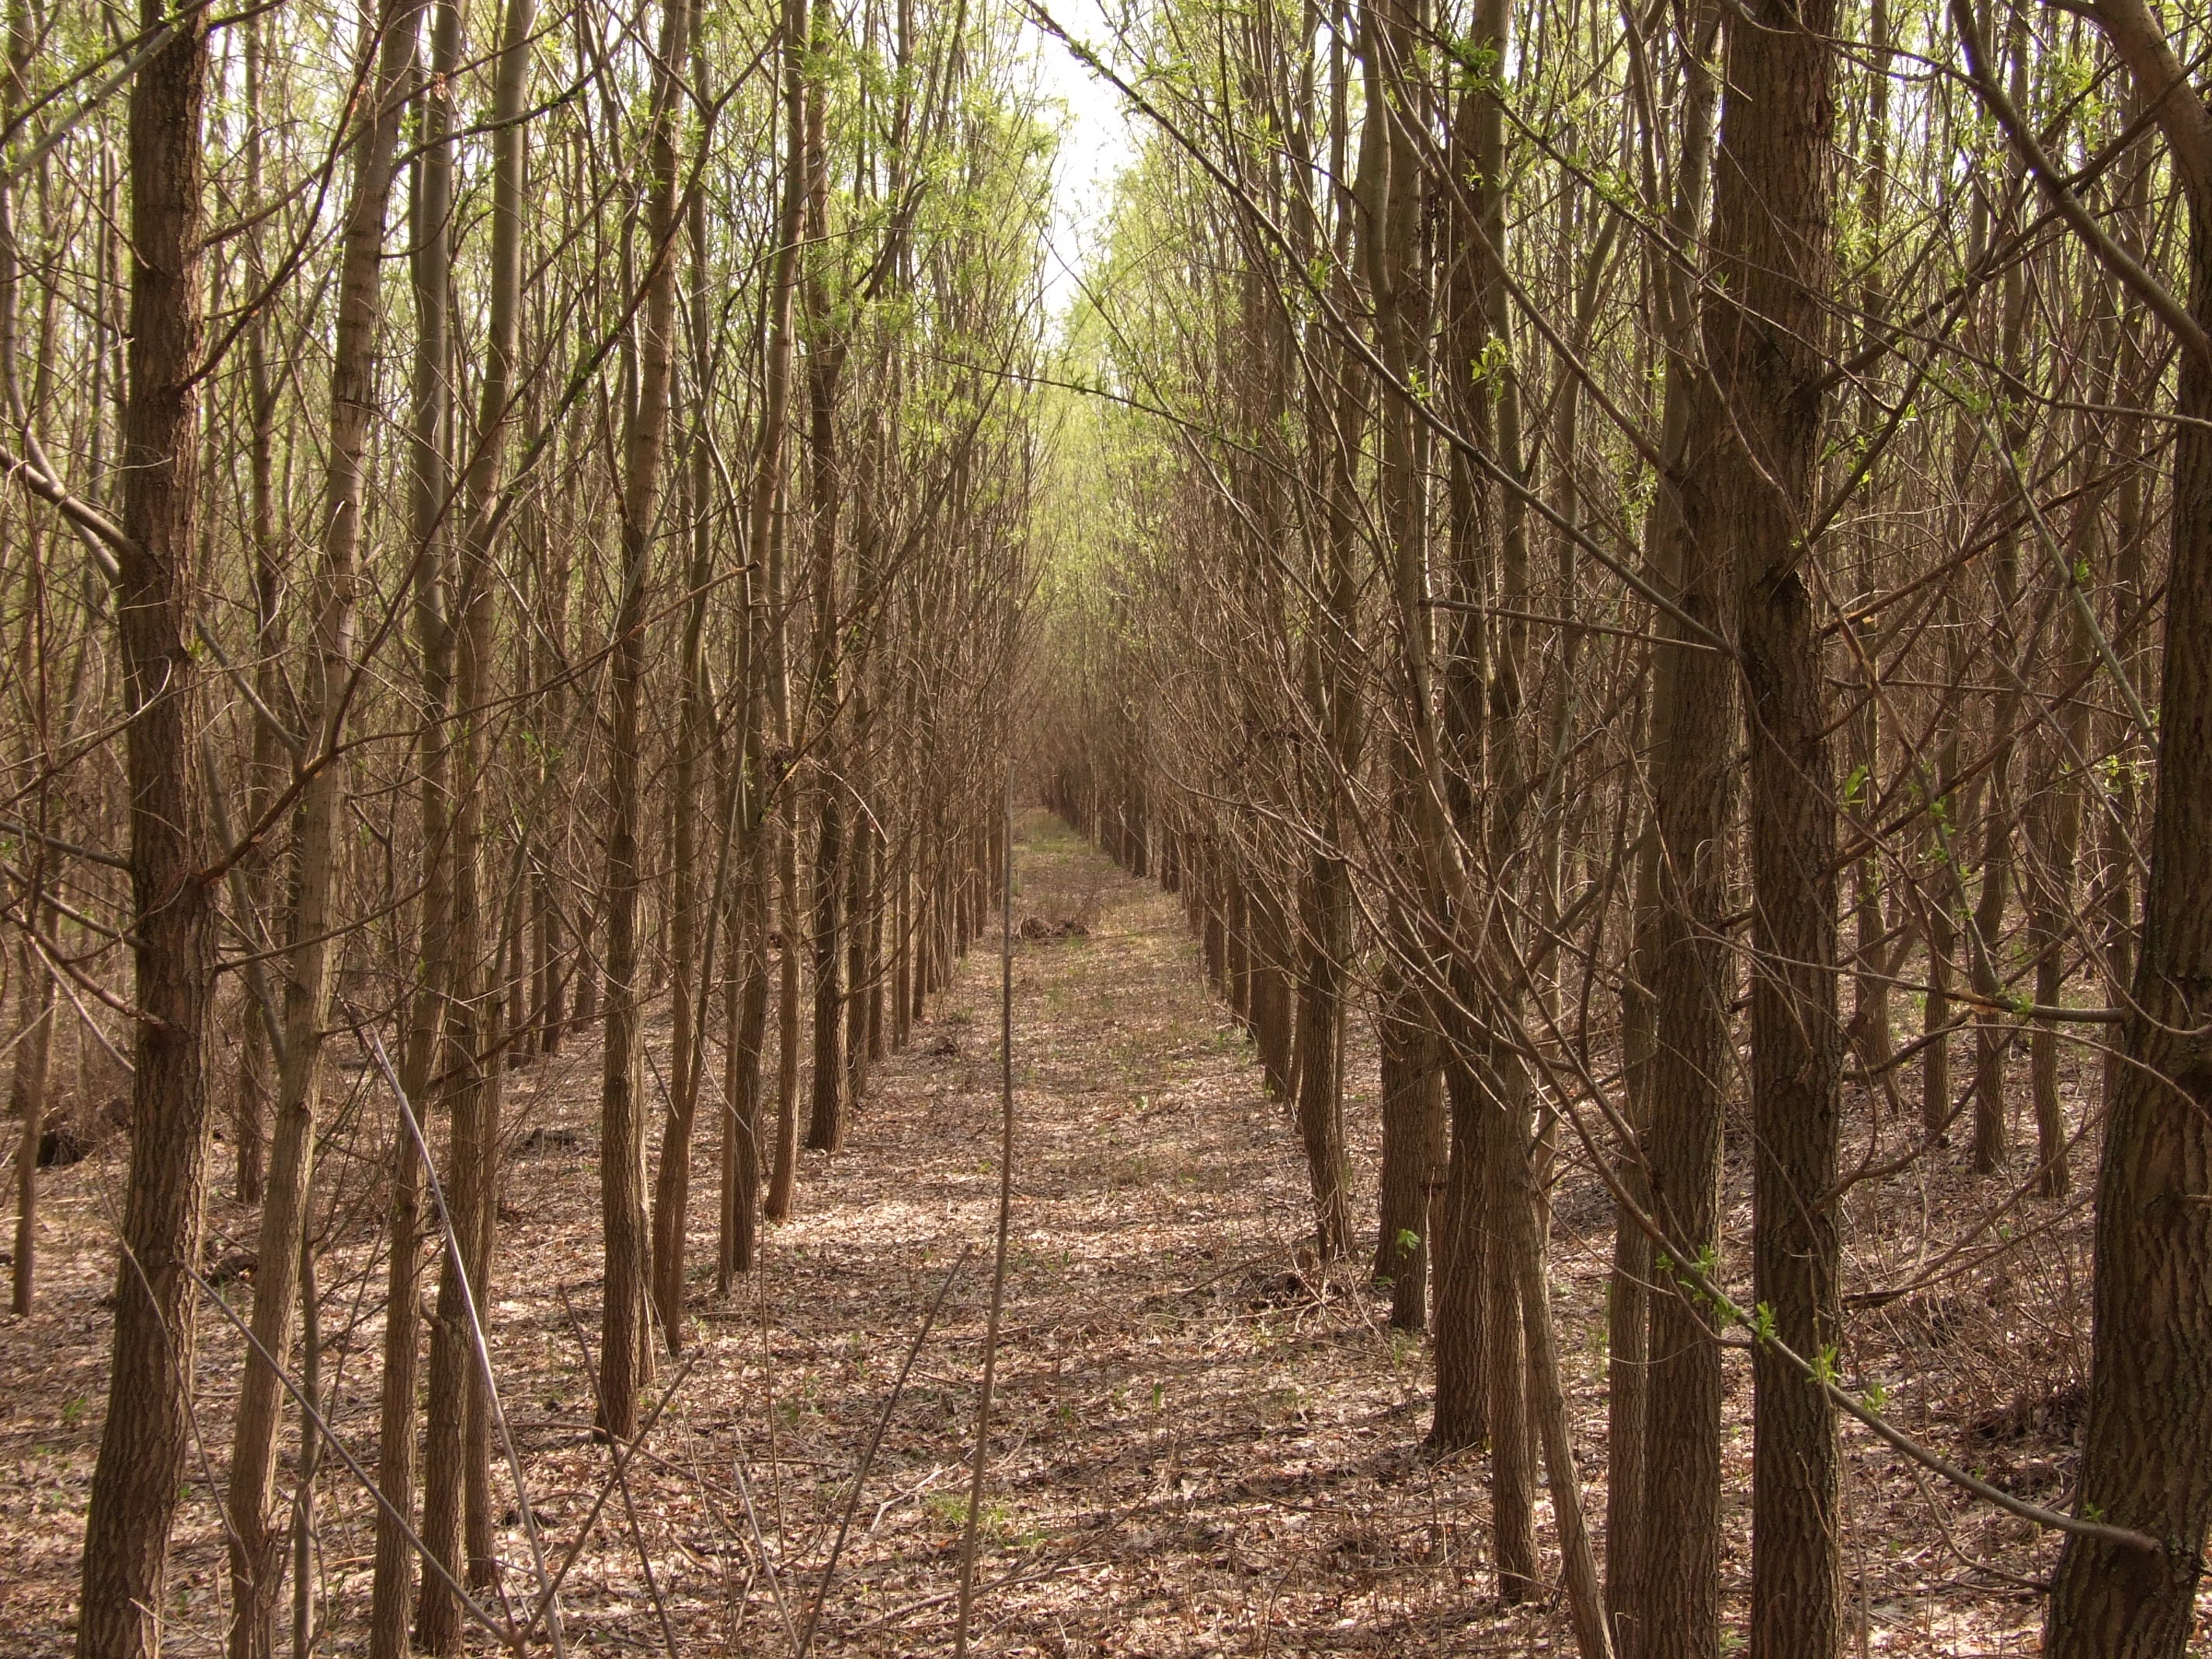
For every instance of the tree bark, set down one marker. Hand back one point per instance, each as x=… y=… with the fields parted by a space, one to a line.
x=1413 y=1097
x=139 y=1473
x=1763 y=328
x=1679 y=1560
x=256 y=1564
x=625 y=1357
x=391 y=1582
x=456 y=1487
x=2146 y=1451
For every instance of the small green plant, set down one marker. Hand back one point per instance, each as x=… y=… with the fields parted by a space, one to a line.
x=947 y=1511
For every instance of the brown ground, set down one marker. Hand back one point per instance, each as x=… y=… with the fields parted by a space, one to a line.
x=1195 y=1451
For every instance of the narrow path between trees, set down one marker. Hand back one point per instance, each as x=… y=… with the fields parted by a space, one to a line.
x=1195 y=1452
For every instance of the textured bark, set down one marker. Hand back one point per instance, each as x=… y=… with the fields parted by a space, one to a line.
x=694 y=956
x=264 y=773
x=2146 y=1451
x=1692 y=768
x=1462 y=1414
x=1413 y=1098
x=1763 y=323
x=765 y=522
x=827 y=345
x=1677 y=863
x=1326 y=903
x=139 y=1473
x=625 y=1356
x=2000 y=816
x=825 y=1120
x=744 y=1026
x=457 y=1502
x=391 y=1582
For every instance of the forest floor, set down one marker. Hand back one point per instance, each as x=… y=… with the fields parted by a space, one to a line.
x=1197 y=1447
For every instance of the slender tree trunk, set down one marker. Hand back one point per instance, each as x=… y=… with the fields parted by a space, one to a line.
x=1413 y=1098
x=694 y=958
x=249 y=1115
x=1762 y=330
x=391 y=1583
x=1326 y=897
x=1695 y=744
x=1494 y=1138
x=1992 y=1036
x=27 y=1098
x=766 y=519
x=745 y=1026
x=139 y=1473
x=2057 y=833
x=256 y=1562
x=1661 y=1502
x=625 y=1357
x=456 y=1486
x=1548 y=1405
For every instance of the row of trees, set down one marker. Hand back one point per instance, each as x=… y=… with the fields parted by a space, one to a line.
x=1662 y=552
x=509 y=512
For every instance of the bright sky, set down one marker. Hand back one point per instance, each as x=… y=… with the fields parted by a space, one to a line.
x=1096 y=142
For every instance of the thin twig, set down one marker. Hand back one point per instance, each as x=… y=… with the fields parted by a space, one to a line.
x=868 y=1456
x=752 y=1519
x=632 y=1449
x=508 y=1636
x=622 y=1477
x=971 y=1533
x=375 y=1046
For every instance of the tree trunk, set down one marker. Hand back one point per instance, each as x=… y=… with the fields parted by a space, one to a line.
x=1680 y=885
x=1694 y=742
x=456 y=1496
x=139 y=1474
x=1411 y=1098
x=694 y=958
x=1326 y=894
x=625 y=1357
x=256 y=1564
x=27 y=1098
x=391 y=1582
x=1764 y=325
x=1461 y=1416
x=2146 y=1451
